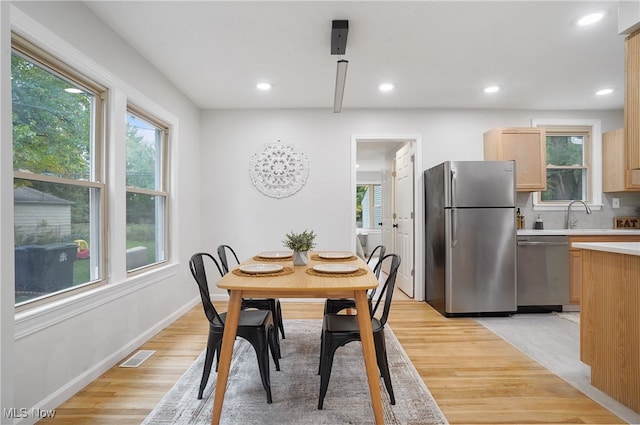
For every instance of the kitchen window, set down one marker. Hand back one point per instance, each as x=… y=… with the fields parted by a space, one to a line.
x=147 y=196
x=59 y=191
x=573 y=164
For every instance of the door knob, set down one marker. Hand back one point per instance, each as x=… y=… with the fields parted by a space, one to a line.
x=395 y=225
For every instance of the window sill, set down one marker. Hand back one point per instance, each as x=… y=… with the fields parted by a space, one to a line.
x=39 y=318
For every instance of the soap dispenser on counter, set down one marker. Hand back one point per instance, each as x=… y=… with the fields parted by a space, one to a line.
x=519 y=220
x=539 y=225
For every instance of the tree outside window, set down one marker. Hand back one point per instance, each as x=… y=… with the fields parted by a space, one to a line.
x=57 y=192
x=147 y=199
x=568 y=165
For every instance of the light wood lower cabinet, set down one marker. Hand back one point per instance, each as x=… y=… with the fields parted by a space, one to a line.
x=609 y=326
x=575 y=260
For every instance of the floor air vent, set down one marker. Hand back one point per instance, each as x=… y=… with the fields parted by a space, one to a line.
x=138 y=358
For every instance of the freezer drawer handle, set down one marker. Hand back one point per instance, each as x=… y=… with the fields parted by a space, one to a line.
x=542 y=243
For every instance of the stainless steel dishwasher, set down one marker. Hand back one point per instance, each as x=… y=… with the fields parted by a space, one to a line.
x=543 y=272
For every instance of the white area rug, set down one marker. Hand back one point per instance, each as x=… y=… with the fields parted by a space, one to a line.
x=572 y=316
x=295 y=387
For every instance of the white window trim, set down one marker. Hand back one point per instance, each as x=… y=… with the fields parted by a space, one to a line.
x=596 y=162
x=120 y=94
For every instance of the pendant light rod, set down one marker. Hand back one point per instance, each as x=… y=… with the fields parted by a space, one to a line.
x=339 y=32
x=341 y=76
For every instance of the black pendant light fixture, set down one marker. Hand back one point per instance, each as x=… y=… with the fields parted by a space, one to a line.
x=339 y=31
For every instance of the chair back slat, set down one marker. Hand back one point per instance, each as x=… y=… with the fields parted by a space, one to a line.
x=198 y=270
x=386 y=293
x=222 y=254
x=380 y=250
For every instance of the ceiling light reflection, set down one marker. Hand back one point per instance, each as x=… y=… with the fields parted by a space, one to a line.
x=604 y=92
x=590 y=19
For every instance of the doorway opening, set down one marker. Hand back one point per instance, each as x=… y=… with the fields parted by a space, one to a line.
x=386 y=172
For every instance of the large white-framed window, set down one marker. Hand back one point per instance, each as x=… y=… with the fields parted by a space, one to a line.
x=147 y=195
x=59 y=193
x=574 y=163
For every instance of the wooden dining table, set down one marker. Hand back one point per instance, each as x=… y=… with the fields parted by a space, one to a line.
x=299 y=282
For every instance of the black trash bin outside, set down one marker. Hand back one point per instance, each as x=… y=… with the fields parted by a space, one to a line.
x=28 y=262
x=57 y=271
x=43 y=269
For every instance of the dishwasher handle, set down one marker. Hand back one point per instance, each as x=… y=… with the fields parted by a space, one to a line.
x=535 y=243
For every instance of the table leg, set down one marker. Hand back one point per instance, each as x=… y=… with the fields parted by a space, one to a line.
x=369 y=353
x=230 y=329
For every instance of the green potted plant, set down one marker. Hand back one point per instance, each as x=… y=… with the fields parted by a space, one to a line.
x=300 y=244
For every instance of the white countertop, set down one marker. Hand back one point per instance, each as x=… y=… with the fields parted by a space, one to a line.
x=570 y=232
x=629 y=248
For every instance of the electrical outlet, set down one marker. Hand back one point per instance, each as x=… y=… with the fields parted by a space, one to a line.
x=615 y=203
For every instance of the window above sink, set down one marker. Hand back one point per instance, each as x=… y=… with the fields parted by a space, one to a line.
x=574 y=164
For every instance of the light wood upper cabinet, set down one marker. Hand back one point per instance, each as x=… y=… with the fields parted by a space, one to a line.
x=528 y=147
x=615 y=175
x=632 y=100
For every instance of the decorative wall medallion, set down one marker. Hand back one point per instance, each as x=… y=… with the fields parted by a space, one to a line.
x=279 y=170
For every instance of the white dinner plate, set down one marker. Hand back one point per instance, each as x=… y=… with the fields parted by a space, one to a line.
x=261 y=268
x=334 y=255
x=275 y=254
x=335 y=268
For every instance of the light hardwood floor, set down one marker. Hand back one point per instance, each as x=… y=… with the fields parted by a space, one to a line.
x=475 y=376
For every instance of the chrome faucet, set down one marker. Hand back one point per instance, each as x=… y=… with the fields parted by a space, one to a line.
x=586 y=207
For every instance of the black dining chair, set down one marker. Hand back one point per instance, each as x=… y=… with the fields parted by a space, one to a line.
x=256 y=326
x=341 y=329
x=271 y=304
x=335 y=305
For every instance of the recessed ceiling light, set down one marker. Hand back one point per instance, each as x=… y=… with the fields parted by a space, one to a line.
x=604 y=92
x=264 y=86
x=492 y=89
x=73 y=90
x=590 y=19
x=386 y=87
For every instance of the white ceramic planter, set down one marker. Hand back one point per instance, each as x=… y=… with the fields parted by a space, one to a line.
x=300 y=258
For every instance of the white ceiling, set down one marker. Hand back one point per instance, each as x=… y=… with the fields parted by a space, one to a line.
x=440 y=54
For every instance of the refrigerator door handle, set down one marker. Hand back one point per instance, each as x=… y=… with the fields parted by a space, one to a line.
x=454 y=228
x=453 y=185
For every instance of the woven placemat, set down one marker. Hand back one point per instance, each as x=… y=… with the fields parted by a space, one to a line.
x=283 y=272
x=359 y=272
x=272 y=260
x=317 y=257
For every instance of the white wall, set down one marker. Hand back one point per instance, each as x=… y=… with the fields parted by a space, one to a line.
x=55 y=351
x=49 y=353
x=236 y=213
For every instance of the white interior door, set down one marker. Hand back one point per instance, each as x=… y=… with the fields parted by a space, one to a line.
x=404 y=221
x=387 y=209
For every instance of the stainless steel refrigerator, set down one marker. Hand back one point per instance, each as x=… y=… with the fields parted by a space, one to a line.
x=470 y=237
